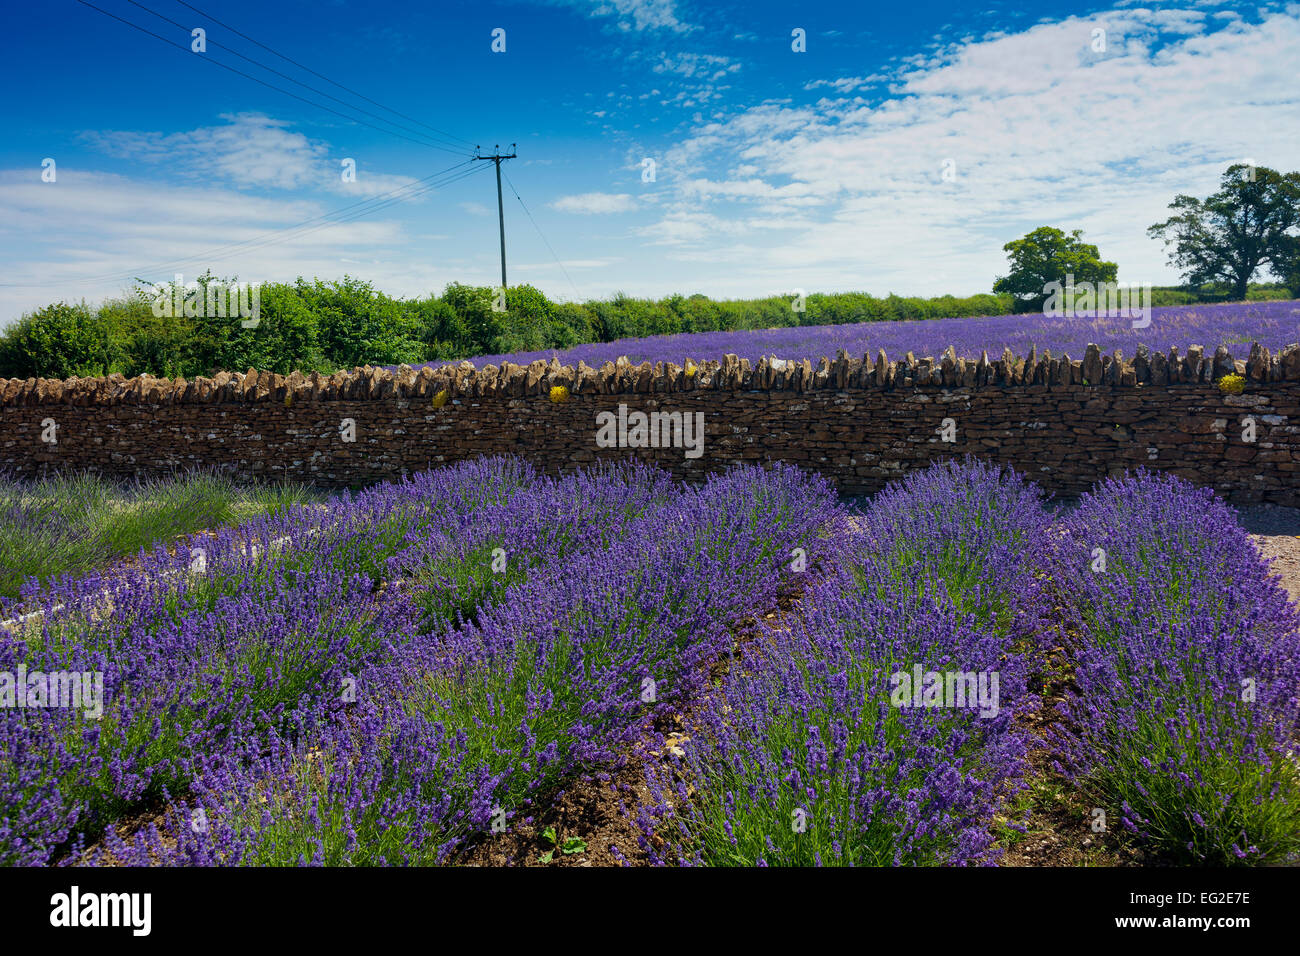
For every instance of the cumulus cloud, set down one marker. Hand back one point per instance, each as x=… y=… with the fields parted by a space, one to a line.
x=839 y=185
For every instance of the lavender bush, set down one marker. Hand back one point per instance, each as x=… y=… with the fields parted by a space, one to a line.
x=548 y=680
x=802 y=758
x=975 y=525
x=809 y=753
x=284 y=609
x=1186 y=660
x=390 y=677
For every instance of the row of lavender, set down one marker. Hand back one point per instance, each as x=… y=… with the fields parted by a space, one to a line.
x=1272 y=324
x=388 y=678
x=1185 y=714
x=830 y=742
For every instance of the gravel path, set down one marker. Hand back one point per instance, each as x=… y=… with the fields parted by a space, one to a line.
x=1276 y=531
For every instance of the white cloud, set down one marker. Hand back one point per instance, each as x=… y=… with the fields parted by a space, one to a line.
x=89 y=234
x=1041 y=129
x=847 y=84
x=839 y=187
x=634 y=15
x=250 y=150
x=595 y=203
x=554 y=266
x=701 y=66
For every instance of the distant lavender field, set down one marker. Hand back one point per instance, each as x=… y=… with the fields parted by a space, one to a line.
x=1273 y=324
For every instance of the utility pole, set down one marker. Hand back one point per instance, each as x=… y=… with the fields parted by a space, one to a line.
x=496 y=158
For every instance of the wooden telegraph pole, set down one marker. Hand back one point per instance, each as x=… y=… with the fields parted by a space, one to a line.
x=496 y=159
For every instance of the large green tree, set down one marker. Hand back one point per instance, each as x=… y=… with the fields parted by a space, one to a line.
x=1250 y=223
x=1047 y=256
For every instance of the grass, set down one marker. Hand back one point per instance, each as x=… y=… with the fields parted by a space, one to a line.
x=71 y=524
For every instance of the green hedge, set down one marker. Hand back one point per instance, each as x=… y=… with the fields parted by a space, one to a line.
x=324 y=326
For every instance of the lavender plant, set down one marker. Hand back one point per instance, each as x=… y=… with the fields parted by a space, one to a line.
x=813 y=750
x=802 y=756
x=977 y=526
x=1186 y=660
x=204 y=662
x=361 y=682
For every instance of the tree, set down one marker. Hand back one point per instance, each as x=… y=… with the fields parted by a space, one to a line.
x=527 y=321
x=570 y=326
x=1249 y=223
x=441 y=330
x=145 y=342
x=1287 y=267
x=1048 y=255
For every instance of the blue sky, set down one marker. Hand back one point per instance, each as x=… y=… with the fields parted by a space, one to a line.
x=775 y=170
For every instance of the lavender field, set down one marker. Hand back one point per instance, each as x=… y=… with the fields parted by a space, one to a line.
x=750 y=672
x=1234 y=325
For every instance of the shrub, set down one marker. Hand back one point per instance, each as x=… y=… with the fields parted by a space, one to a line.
x=59 y=341
x=1186 y=660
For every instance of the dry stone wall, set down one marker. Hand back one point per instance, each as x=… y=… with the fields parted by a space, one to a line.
x=862 y=422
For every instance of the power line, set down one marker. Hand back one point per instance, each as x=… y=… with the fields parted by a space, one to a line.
x=544 y=239
x=322 y=75
x=364 y=207
x=451 y=147
x=226 y=66
x=374 y=204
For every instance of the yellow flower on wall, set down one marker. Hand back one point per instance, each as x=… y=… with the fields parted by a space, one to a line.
x=1232 y=384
